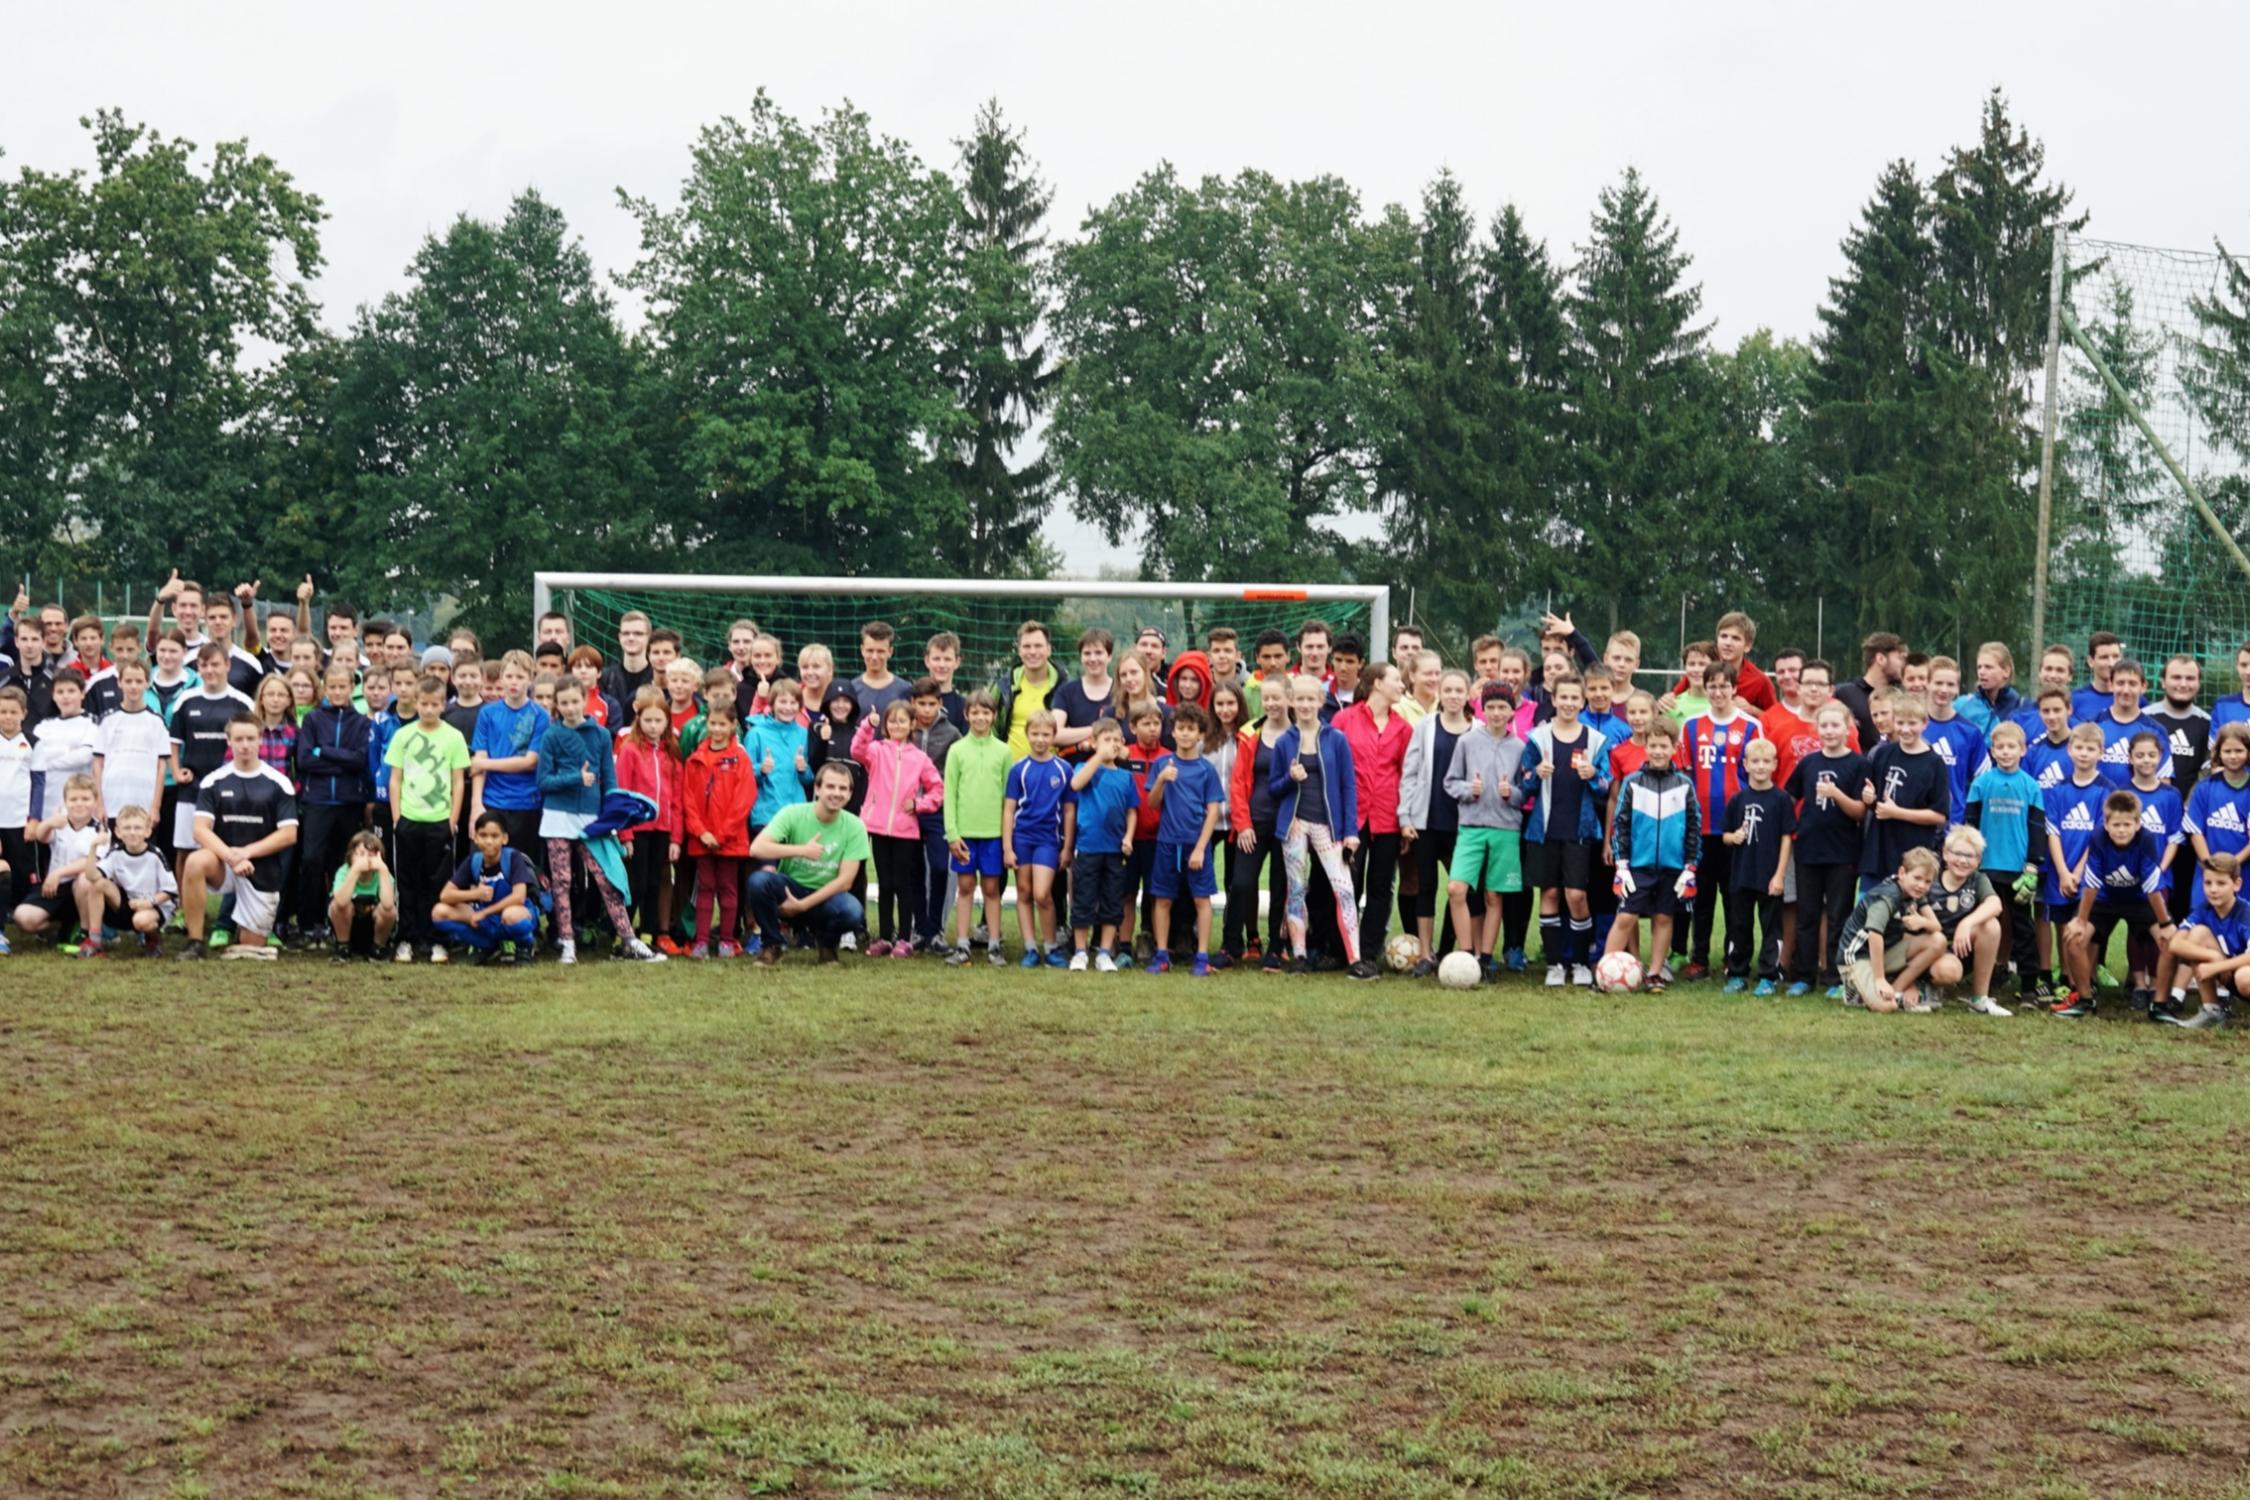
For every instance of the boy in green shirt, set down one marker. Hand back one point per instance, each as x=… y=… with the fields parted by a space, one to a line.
x=429 y=766
x=976 y=795
x=818 y=850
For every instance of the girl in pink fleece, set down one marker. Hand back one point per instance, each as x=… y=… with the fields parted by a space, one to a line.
x=902 y=784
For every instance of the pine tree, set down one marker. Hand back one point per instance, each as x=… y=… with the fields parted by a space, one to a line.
x=1526 y=386
x=996 y=360
x=2217 y=368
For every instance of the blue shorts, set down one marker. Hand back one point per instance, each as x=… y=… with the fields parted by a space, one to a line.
x=1048 y=856
x=1169 y=871
x=1139 y=865
x=984 y=858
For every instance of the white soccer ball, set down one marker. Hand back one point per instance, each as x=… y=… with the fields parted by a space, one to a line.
x=1459 y=971
x=1403 y=951
x=1618 y=973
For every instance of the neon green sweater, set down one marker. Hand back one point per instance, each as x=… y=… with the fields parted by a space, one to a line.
x=976 y=787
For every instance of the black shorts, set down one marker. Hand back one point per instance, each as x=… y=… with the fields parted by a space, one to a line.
x=2137 y=919
x=62 y=906
x=1097 y=890
x=120 y=918
x=1655 y=893
x=1561 y=864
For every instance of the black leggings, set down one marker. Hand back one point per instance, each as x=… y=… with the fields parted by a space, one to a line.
x=899 y=873
x=646 y=867
x=1242 y=893
x=1822 y=891
x=1374 y=867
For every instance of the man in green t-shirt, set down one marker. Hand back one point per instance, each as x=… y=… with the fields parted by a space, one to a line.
x=819 y=848
x=429 y=763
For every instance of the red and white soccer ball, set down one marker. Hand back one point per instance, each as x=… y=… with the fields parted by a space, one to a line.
x=1618 y=973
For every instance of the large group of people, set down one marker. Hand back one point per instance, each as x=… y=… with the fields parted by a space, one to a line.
x=221 y=779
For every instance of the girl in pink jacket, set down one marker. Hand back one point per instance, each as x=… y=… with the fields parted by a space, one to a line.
x=902 y=784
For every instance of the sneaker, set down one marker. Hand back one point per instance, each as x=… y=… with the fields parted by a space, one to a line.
x=1160 y=962
x=2103 y=979
x=1766 y=989
x=670 y=946
x=1836 y=992
x=2207 y=1018
x=1582 y=976
x=2072 y=1006
x=5 y=950
x=152 y=944
x=1514 y=961
x=219 y=938
x=1423 y=968
x=1297 y=967
x=1799 y=990
x=1056 y=957
x=769 y=954
x=2142 y=1000
x=1556 y=977
x=959 y=956
x=1923 y=1004
x=902 y=949
x=1080 y=961
x=1985 y=1005
x=1365 y=969
x=1693 y=972
x=1664 y=972
x=849 y=942
x=404 y=954
x=2043 y=992
x=641 y=953
x=438 y=954
x=338 y=954
x=978 y=937
x=880 y=948
x=727 y=949
x=1252 y=953
x=1201 y=967
x=1030 y=959
x=567 y=953
x=998 y=955
x=1489 y=971
x=1272 y=963
x=1104 y=964
x=1657 y=983
x=1733 y=986
x=91 y=948
x=699 y=951
x=2173 y=1007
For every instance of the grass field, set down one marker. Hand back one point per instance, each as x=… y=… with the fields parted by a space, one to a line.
x=892 y=1229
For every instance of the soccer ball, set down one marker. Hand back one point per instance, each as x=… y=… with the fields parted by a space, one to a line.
x=1459 y=971
x=1403 y=951
x=1618 y=973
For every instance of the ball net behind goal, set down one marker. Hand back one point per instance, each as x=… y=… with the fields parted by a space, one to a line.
x=2129 y=551
x=986 y=626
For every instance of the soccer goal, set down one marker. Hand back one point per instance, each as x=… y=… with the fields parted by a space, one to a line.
x=983 y=612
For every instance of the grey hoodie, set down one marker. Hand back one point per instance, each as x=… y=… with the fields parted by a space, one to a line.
x=1480 y=753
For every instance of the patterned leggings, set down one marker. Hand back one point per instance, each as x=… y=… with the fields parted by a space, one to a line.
x=559 y=852
x=1305 y=840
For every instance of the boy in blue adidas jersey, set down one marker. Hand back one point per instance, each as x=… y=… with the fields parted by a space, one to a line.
x=2161 y=808
x=2074 y=819
x=1035 y=827
x=2122 y=870
x=2008 y=808
x=2217 y=818
x=1959 y=743
x=2214 y=945
x=2046 y=748
x=1190 y=799
x=2105 y=652
x=2121 y=721
x=2234 y=708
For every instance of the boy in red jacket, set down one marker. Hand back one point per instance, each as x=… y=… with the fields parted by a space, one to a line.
x=719 y=786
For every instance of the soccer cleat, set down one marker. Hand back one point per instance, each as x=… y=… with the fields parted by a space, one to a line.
x=1836 y=992
x=1766 y=989
x=1557 y=977
x=1104 y=963
x=1366 y=969
x=699 y=952
x=1030 y=959
x=438 y=954
x=641 y=953
x=1985 y=1005
x=2104 y=980
x=1920 y=1005
x=1734 y=986
x=404 y=954
x=1251 y=954
x=1080 y=962
x=219 y=938
x=2043 y=992
x=729 y=949
x=1160 y=962
x=1514 y=961
x=902 y=949
x=670 y=946
x=1143 y=947
x=2173 y=1007
x=2072 y=1006
x=1423 y=968
x=2208 y=1018
x=1799 y=990
x=958 y=956
x=1656 y=984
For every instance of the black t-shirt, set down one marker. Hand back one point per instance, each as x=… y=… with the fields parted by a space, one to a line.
x=1769 y=816
x=199 y=728
x=1263 y=806
x=1825 y=836
x=1565 y=788
x=1445 y=813
x=1312 y=792
x=1949 y=907
x=2189 y=734
x=1918 y=782
x=463 y=717
x=246 y=806
x=1079 y=709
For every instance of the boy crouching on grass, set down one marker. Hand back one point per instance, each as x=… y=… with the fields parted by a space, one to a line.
x=129 y=889
x=1892 y=938
x=2211 y=950
x=362 y=901
x=488 y=900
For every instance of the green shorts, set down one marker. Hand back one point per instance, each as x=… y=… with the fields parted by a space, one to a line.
x=1488 y=859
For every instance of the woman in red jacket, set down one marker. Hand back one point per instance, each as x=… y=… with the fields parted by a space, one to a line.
x=1378 y=736
x=648 y=762
x=719 y=787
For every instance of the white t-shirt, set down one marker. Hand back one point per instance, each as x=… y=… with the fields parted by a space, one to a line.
x=70 y=845
x=141 y=875
x=61 y=749
x=15 y=781
x=132 y=747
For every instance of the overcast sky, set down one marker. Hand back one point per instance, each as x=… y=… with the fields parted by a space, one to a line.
x=1761 y=126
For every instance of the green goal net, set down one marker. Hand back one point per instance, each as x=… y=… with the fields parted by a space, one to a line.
x=985 y=621
x=2151 y=446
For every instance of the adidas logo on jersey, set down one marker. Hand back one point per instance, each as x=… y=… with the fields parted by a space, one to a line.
x=2180 y=743
x=2080 y=819
x=2122 y=879
x=2152 y=820
x=2227 y=819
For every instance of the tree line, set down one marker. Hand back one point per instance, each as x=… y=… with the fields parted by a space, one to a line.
x=856 y=362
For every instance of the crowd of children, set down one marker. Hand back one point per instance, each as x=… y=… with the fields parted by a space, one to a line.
x=1880 y=839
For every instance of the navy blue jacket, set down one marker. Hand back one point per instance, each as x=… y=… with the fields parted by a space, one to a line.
x=332 y=756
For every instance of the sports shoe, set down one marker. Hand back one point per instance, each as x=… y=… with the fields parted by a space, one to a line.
x=1144 y=947
x=1297 y=967
x=1985 y=1005
x=998 y=956
x=2208 y=1018
x=1920 y=1005
x=1030 y=959
x=219 y=938
x=404 y=954
x=2172 y=1006
x=1734 y=986
x=1160 y=962
x=438 y=954
x=5 y=950
x=2142 y=999
x=1766 y=989
x=959 y=956
x=2103 y=979
x=1836 y=992
x=1664 y=972
x=1273 y=962
x=91 y=948
x=1423 y=968
x=729 y=949
x=1056 y=957
x=1201 y=967
x=849 y=942
x=2043 y=992
x=978 y=937
x=827 y=955
x=2072 y=1006
x=670 y=946
x=152 y=944
x=1692 y=972
x=1656 y=984
x=641 y=953
x=337 y=954
x=1557 y=976
x=567 y=952
x=1799 y=990
x=902 y=949
x=1252 y=953
x=1080 y=962
x=1514 y=961
x=1365 y=969
x=699 y=952
x=768 y=955
x=1582 y=975
x=1103 y=963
